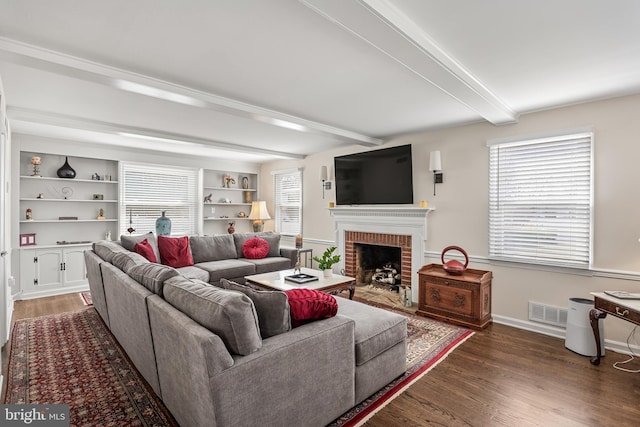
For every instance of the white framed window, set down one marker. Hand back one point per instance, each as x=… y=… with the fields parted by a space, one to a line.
x=541 y=199
x=148 y=190
x=287 y=200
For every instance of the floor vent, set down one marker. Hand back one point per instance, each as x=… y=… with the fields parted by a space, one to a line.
x=549 y=314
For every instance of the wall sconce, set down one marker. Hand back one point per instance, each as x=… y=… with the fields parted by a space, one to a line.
x=435 y=166
x=258 y=214
x=324 y=176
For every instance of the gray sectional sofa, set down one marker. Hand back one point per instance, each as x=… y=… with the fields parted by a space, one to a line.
x=201 y=348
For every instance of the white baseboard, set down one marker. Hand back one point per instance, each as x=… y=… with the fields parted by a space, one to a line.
x=52 y=292
x=617 y=346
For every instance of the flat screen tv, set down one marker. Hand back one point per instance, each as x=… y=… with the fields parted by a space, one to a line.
x=377 y=177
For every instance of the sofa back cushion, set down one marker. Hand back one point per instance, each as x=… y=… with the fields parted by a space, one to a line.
x=212 y=248
x=152 y=276
x=272 y=238
x=175 y=251
x=107 y=249
x=129 y=242
x=228 y=314
x=125 y=260
x=272 y=308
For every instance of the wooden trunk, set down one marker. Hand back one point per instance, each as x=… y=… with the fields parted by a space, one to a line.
x=464 y=300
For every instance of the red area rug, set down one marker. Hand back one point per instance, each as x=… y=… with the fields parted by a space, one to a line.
x=428 y=343
x=72 y=358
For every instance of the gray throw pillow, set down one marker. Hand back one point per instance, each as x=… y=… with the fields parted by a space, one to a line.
x=228 y=314
x=272 y=307
x=212 y=248
x=129 y=242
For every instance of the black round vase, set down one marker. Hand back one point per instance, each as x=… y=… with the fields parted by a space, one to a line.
x=66 y=171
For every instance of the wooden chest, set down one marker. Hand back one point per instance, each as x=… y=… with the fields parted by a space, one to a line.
x=464 y=300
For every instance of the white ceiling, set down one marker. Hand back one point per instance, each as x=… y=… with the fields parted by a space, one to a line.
x=256 y=80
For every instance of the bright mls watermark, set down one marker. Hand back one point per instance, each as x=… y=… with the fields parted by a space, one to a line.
x=34 y=415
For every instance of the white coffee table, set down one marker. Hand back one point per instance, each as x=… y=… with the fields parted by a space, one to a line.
x=276 y=281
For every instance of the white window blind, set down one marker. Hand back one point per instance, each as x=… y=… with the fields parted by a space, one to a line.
x=148 y=190
x=287 y=198
x=540 y=200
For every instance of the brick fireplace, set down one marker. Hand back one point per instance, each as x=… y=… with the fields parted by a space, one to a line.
x=352 y=238
x=403 y=227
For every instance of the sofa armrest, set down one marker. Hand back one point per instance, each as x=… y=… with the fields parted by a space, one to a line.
x=290 y=369
x=291 y=253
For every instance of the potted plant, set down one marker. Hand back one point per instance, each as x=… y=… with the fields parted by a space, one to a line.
x=326 y=262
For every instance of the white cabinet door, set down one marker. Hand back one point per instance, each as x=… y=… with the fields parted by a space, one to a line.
x=48 y=265
x=74 y=270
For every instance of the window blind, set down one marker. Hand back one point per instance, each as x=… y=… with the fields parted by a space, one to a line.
x=540 y=200
x=288 y=202
x=148 y=190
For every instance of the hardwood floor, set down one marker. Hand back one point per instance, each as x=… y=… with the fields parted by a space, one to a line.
x=501 y=376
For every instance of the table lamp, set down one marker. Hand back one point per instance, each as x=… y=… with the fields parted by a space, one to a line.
x=258 y=214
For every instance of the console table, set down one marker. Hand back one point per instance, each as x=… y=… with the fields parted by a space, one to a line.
x=604 y=304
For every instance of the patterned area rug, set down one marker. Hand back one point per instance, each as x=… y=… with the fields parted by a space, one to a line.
x=72 y=358
x=428 y=343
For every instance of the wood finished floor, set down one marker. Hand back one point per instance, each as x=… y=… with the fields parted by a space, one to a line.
x=501 y=376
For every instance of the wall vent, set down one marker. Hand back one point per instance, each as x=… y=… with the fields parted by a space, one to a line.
x=549 y=314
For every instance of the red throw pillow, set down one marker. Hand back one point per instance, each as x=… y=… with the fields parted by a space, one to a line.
x=307 y=305
x=145 y=249
x=255 y=248
x=174 y=251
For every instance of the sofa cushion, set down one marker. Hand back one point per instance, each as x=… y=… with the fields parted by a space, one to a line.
x=255 y=248
x=376 y=330
x=145 y=249
x=212 y=248
x=152 y=276
x=272 y=308
x=193 y=272
x=129 y=242
x=227 y=268
x=125 y=260
x=230 y=315
x=272 y=238
x=106 y=249
x=269 y=264
x=174 y=251
x=308 y=305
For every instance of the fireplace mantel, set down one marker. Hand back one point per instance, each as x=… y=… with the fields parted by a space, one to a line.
x=393 y=220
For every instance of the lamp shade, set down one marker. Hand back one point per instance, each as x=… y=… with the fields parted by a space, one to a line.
x=259 y=210
x=323 y=173
x=435 y=161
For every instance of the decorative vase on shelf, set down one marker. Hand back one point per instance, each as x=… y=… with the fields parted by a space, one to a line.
x=231 y=228
x=66 y=171
x=163 y=225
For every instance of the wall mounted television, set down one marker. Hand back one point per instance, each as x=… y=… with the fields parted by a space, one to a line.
x=377 y=177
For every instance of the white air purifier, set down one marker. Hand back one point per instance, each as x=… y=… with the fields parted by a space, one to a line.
x=579 y=337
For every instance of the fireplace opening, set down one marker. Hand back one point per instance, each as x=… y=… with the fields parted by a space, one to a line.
x=378 y=265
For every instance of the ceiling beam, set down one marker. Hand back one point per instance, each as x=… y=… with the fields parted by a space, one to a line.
x=29 y=121
x=70 y=66
x=388 y=29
